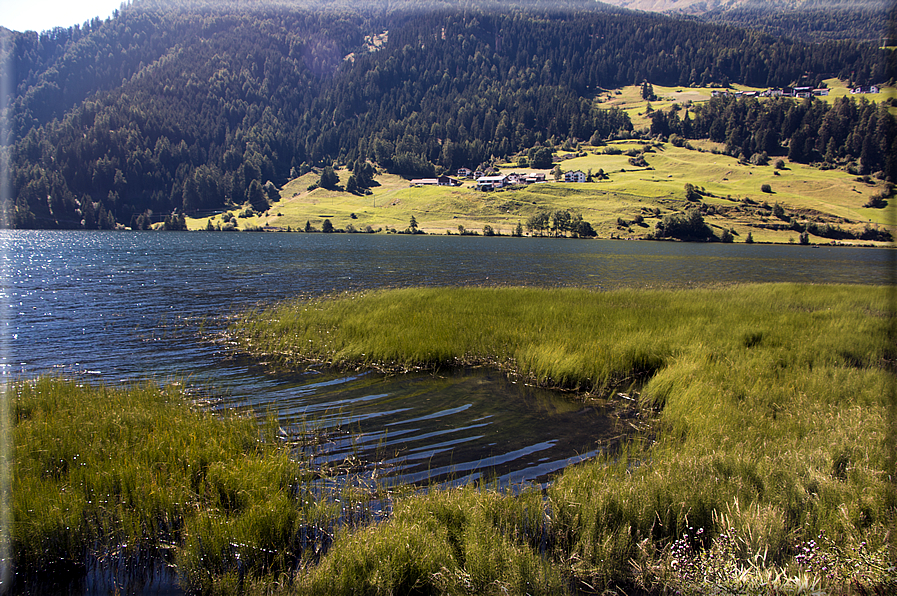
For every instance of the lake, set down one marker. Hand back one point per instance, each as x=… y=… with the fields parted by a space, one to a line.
x=125 y=306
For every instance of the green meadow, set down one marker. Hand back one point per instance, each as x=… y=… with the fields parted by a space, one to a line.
x=733 y=189
x=768 y=465
x=773 y=414
x=630 y=99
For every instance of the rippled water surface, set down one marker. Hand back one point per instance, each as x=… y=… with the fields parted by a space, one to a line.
x=124 y=306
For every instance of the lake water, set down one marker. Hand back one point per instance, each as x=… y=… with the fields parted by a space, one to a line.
x=121 y=306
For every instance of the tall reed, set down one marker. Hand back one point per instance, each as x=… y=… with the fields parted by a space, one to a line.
x=773 y=409
x=138 y=470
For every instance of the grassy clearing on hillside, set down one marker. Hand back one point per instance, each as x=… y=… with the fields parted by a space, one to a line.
x=629 y=98
x=776 y=428
x=808 y=193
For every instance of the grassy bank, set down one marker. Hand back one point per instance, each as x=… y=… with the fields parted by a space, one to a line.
x=776 y=438
x=113 y=481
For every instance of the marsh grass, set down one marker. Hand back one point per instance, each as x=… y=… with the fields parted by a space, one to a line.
x=776 y=424
x=773 y=412
x=136 y=474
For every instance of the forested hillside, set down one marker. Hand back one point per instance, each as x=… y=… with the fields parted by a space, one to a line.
x=808 y=20
x=160 y=110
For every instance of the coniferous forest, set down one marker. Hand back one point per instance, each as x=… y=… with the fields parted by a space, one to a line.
x=161 y=110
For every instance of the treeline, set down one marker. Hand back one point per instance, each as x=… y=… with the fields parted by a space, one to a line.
x=161 y=110
x=854 y=133
x=860 y=22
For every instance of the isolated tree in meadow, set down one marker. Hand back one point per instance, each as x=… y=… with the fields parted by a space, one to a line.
x=684 y=226
x=271 y=192
x=540 y=158
x=329 y=178
x=582 y=228
x=351 y=184
x=327 y=227
x=412 y=225
x=779 y=212
x=647 y=91
x=364 y=174
x=257 y=198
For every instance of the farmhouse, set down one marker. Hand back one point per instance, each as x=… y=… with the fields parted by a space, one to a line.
x=441 y=181
x=491 y=182
x=464 y=173
x=574 y=176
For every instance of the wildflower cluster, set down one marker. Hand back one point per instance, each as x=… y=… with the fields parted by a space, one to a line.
x=859 y=566
x=684 y=562
x=719 y=569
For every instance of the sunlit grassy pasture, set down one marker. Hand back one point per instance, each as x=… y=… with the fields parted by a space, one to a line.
x=834 y=196
x=630 y=99
x=829 y=196
x=775 y=423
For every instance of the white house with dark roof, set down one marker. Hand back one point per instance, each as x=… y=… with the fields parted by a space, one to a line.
x=441 y=181
x=575 y=176
x=491 y=182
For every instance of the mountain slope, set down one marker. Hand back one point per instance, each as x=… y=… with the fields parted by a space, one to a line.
x=159 y=110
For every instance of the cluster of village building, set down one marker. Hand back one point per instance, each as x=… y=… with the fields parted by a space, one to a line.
x=495 y=181
x=799 y=92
